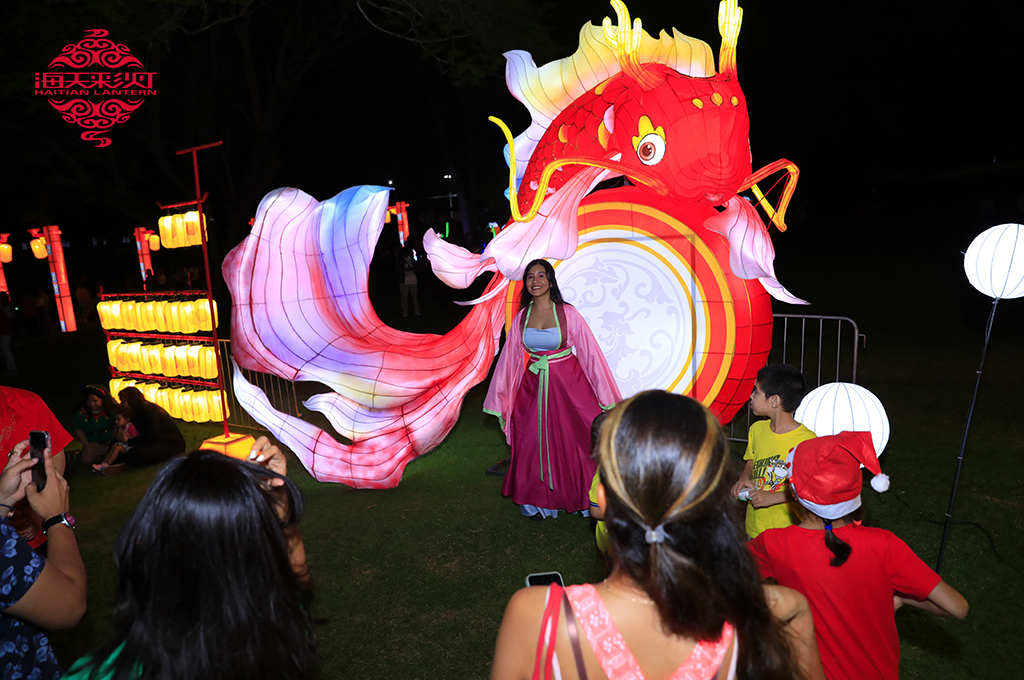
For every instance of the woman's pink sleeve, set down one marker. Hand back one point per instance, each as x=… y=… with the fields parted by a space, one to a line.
x=501 y=394
x=591 y=358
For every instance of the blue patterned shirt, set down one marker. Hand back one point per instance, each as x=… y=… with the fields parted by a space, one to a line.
x=25 y=652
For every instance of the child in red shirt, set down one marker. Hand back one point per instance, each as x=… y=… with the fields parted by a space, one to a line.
x=854 y=577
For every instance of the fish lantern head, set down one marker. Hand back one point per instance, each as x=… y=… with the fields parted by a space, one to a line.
x=685 y=137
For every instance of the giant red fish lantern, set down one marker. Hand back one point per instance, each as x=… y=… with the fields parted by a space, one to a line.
x=673 y=272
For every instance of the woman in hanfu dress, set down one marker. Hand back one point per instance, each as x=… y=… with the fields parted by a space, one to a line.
x=550 y=383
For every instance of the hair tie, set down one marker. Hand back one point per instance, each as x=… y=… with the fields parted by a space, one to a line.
x=655 y=535
x=828 y=527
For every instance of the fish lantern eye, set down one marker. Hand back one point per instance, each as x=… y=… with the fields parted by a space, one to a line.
x=651 y=149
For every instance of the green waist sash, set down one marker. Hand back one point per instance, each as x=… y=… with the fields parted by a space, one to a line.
x=541 y=368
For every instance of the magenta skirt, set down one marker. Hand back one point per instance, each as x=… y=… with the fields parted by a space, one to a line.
x=568 y=468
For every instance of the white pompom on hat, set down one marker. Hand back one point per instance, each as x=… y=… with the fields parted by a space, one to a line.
x=825 y=473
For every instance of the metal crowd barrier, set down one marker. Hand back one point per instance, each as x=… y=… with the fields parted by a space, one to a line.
x=281 y=392
x=814 y=344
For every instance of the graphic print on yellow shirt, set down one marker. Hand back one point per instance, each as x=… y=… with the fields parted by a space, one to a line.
x=768 y=451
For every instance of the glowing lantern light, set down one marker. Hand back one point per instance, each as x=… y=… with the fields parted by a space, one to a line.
x=159 y=319
x=6 y=253
x=149 y=315
x=154 y=242
x=103 y=310
x=155 y=354
x=232 y=445
x=201 y=406
x=138 y=317
x=187 y=316
x=207 y=363
x=144 y=360
x=994 y=262
x=39 y=248
x=133 y=356
x=112 y=347
x=837 y=407
x=181 y=359
x=113 y=315
x=174 y=402
x=204 y=321
x=179 y=239
x=216 y=412
x=163 y=399
x=165 y=231
x=192 y=237
x=168 y=362
x=186 y=406
x=127 y=315
x=172 y=318
x=149 y=390
x=193 y=360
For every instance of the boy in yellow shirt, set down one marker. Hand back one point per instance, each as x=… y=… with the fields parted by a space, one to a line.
x=777 y=393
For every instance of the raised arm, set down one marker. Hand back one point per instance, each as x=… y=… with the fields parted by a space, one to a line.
x=57 y=597
x=791 y=608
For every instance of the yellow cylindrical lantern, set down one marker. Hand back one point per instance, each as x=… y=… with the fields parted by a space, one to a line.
x=207 y=363
x=149 y=390
x=132 y=356
x=168 y=362
x=139 y=316
x=115 y=387
x=144 y=356
x=186 y=406
x=39 y=248
x=159 y=320
x=178 y=236
x=204 y=319
x=154 y=242
x=146 y=319
x=112 y=346
x=181 y=360
x=156 y=355
x=114 y=314
x=127 y=308
x=173 y=401
x=103 y=309
x=193 y=360
x=201 y=406
x=163 y=399
x=172 y=314
x=165 y=231
x=216 y=413
x=187 y=316
x=6 y=253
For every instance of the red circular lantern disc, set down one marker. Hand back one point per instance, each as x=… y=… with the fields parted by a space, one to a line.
x=656 y=289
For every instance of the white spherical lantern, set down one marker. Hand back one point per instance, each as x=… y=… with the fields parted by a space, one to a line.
x=837 y=407
x=994 y=262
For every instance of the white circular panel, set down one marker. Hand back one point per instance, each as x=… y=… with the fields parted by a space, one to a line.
x=837 y=407
x=643 y=306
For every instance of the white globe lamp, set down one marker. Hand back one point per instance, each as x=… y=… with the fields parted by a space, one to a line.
x=838 y=407
x=994 y=262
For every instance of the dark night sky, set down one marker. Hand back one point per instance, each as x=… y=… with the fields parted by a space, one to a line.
x=903 y=117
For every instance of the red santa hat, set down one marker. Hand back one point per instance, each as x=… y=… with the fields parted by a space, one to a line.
x=824 y=473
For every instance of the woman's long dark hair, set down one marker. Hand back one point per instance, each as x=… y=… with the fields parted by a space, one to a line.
x=663 y=459
x=206 y=588
x=556 y=295
x=108 y=402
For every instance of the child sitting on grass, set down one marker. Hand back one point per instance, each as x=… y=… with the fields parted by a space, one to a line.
x=854 y=577
x=777 y=393
x=124 y=430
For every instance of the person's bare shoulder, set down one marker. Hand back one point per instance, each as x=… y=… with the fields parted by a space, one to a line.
x=784 y=603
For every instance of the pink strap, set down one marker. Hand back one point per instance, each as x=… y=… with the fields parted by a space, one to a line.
x=614 y=656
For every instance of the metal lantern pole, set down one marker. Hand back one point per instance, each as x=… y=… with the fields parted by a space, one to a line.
x=963 y=442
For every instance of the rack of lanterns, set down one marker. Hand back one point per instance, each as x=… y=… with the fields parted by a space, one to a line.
x=153 y=344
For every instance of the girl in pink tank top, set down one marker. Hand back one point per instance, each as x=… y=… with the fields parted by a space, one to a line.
x=684 y=599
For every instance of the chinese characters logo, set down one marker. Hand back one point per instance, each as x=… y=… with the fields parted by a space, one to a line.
x=88 y=81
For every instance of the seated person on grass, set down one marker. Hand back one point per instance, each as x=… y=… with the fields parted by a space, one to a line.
x=124 y=431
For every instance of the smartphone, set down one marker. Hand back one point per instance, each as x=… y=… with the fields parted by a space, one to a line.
x=544 y=579
x=38 y=441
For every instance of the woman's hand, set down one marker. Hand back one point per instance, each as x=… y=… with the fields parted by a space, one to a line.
x=12 y=481
x=53 y=499
x=271 y=457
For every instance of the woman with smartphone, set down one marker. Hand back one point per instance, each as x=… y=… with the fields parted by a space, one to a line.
x=36 y=592
x=683 y=591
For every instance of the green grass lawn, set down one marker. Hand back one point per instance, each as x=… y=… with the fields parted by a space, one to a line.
x=412 y=582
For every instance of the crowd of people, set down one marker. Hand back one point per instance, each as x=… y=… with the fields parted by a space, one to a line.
x=212 y=579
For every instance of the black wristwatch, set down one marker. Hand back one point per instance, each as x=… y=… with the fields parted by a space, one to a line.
x=65 y=518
